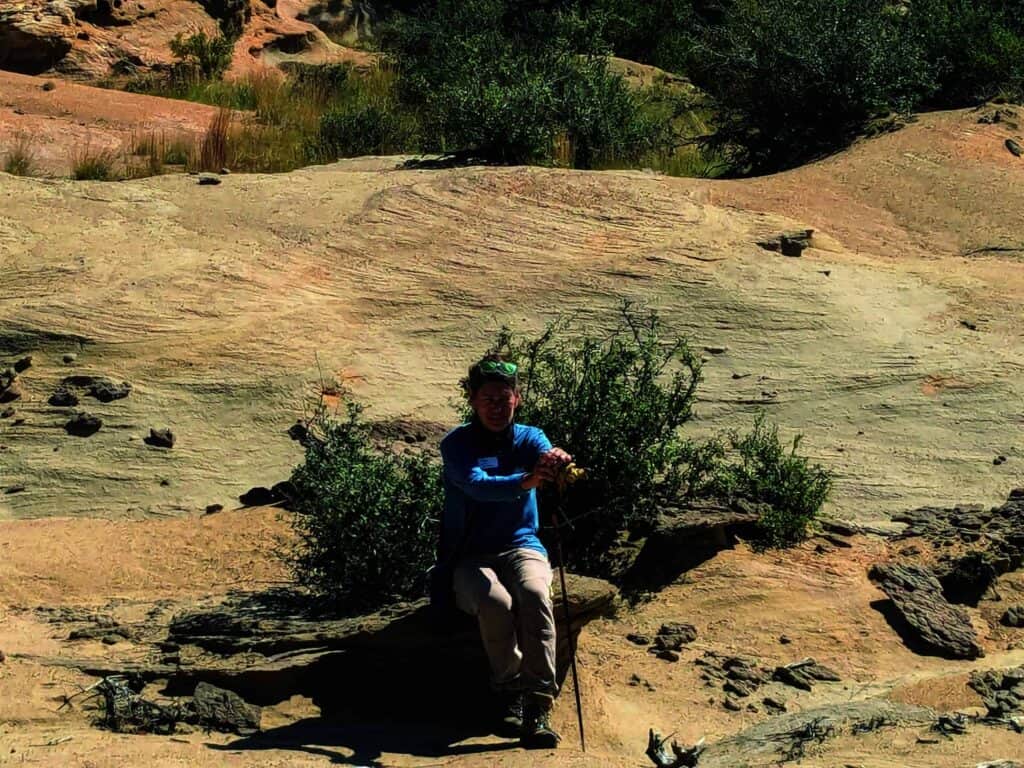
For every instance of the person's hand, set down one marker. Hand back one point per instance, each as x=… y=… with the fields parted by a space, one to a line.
x=556 y=457
x=546 y=470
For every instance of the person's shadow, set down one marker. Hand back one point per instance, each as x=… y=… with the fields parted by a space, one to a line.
x=426 y=706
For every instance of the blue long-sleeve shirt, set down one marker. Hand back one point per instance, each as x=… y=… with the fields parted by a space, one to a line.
x=483 y=473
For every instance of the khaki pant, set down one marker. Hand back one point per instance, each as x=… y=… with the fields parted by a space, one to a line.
x=510 y=594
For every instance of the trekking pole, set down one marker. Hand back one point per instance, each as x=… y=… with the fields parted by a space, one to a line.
x=570 y=474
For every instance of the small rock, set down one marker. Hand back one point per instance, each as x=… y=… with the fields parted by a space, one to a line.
x=15 y=489
x=839 y=527
x=107 y=391
x=165 y=482
x=999 y=460
x=738 y=688
x=6 y=413
x=299 y=432
x=792 y=677
x=10 y=393
x=667 y=655
x=225 y=171
x=716 y=350
x=731 y=704
x=208 y=179
x=910 y=551
x=160 y=438
x=17 y=422
x=969 y=325
x=638 y=639
x=69 y=358
x=773 y=704
x=686 y=632
x=1014 y=616
x=167 y=646
x=784 y=639
x=1015 y=149
x=23 y=365
x=213 y=509
x=63 y=398
x=83 y=425
x=836 y=541
x=3 y=657
x=171 y=658
x=111 y=639
x=49 y=85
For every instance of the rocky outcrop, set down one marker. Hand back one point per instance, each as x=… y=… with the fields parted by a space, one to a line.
x=1002 y=691
x=683 y=537
x=784 y=738
x=993 y=539
x=267 y=648
x=930 y=620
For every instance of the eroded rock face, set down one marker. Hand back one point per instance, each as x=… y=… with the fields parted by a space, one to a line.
x=91 y=39
x=934 y=623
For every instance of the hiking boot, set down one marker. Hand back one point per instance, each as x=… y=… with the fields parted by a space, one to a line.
x=537 y=730
x=512 y=714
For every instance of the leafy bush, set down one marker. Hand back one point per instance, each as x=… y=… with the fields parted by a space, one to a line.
x=975 y=47
x=365 y=117
x=366 y=519
x=761 y=469
x=794 y=79
x=615 y=401
x=207 y=56
x=500 y=85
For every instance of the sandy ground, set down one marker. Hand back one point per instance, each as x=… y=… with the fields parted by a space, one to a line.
x=741 y=603
x=223 y=306
x=894 y=345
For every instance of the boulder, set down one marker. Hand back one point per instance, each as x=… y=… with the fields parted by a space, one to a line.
x=788 y=243
x=223 y=710
x=684 y=537
x=160 y=438
x=936 y=625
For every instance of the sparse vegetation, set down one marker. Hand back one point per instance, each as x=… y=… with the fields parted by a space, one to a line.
x=20 y=159
x=202 y=56
x=91 y=164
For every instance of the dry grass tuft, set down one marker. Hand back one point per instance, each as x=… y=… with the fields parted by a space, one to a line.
x=89 y=164
x=20 y=159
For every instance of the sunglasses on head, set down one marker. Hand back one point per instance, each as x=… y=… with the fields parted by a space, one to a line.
x=498 y=366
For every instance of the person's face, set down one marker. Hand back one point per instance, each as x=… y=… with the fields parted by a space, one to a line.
x=494 y=405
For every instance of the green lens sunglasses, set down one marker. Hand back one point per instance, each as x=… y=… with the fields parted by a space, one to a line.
x=498 y=366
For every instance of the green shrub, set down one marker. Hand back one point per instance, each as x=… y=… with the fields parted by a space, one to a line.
x=795 y=79
x=366 y=129
x=497 y=84
x=208 y=56
x=761 y=469
x=975 y=47
x=615 y=400
x=366 y=519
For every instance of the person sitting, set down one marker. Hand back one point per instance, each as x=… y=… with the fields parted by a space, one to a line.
x=499 y=568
